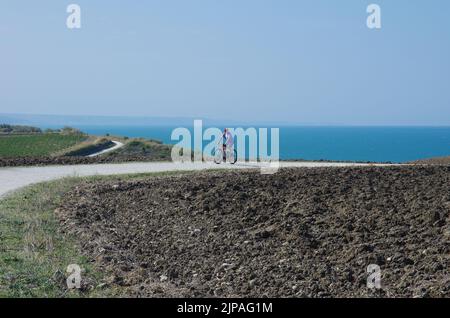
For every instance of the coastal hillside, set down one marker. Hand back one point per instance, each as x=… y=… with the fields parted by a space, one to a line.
x=143 y=149
x=27 y=145
x=26 y=141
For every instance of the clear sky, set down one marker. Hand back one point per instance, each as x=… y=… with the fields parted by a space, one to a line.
x=311 y=61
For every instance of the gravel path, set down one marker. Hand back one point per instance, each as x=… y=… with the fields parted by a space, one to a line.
x=13 y=178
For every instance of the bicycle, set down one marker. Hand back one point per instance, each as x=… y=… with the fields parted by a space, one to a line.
x=230 y=155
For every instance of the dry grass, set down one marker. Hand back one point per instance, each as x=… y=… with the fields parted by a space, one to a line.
x=34 y=254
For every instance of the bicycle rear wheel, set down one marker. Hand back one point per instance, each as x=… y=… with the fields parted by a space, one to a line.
x=218 y=156
x=232 y=156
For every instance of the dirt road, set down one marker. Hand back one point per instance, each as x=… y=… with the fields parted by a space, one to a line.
x=13 y=178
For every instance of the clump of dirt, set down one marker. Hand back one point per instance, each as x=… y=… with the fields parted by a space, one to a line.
x=297 y=233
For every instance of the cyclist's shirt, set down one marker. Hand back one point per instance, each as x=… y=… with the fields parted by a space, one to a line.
x=227 y=139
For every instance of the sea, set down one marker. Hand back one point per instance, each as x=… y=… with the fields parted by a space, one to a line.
x=352 y=143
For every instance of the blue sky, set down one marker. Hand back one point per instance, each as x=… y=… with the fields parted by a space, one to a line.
x=298 y=61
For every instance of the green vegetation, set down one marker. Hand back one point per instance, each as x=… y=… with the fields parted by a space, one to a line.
x=25 y=141
x=18 y=129
x=143 y=148
x=34 y=255
x=21 y=129
x=65 y=131
x=37 y=144
x=87 y=148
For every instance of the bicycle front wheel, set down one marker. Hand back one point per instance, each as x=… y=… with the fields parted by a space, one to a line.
x=232 y=156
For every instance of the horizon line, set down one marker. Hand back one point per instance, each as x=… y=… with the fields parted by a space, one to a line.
x=223 y=121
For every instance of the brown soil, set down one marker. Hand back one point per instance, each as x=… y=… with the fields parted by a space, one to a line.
x=434 y=161
x=68 y=160
x=301 y=232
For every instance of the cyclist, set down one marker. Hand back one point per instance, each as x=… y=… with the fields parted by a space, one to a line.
x=227 y=140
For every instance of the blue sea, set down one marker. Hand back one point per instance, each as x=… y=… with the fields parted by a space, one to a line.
x=381 y=144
